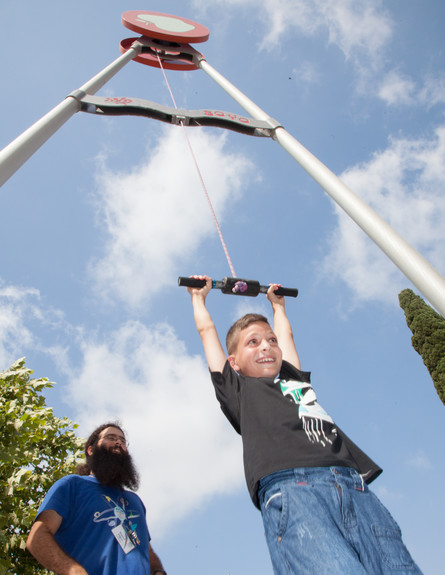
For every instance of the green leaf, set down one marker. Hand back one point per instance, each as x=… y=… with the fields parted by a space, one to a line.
x=37 y=449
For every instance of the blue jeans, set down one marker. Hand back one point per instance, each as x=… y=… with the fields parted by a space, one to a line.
x=324 y=520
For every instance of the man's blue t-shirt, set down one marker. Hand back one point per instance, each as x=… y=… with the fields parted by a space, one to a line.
x=104 y=529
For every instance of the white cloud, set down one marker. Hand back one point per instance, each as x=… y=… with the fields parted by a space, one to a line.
x=420 y=460
x=404 y=184
x=360 y=28
x=357 y=26
x=285 y=15
x=387 y=495
x=307 y=72
x=433 y=91
x=184 y=448
x=17 y=306
x=157 y=215
x=396 y=89
x=27 y=323
x=399 y=89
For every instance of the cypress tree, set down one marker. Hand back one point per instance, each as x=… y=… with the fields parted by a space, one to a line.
x=428 y=329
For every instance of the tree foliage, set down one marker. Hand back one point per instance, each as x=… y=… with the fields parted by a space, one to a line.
x=37 y=448
x=428 y=328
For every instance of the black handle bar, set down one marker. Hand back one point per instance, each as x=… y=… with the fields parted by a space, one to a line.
x=237 y=286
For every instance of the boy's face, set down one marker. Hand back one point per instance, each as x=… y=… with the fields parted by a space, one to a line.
x=257 y=353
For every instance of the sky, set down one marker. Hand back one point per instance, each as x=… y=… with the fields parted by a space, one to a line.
x=97 y=226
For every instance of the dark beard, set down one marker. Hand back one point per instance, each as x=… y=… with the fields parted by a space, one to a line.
x=114 y=468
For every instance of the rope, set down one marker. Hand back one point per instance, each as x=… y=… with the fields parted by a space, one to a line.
x=226 y=251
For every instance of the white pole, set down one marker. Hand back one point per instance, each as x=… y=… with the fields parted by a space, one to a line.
x=416 y=268
x=15 y=154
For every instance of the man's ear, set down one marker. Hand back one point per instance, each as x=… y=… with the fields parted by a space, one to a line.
x=90 y=450
x=233 y=364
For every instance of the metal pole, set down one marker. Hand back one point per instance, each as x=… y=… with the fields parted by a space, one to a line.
x=15 y=154
x=416 y=268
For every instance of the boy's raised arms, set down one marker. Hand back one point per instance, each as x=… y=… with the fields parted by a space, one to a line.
x=282 y=327
x=214 y=352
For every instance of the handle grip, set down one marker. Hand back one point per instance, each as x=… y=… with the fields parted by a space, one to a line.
x=191 y=282
x=287 y=292
x=229 y=286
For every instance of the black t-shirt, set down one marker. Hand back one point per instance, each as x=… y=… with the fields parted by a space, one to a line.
x=283 y=426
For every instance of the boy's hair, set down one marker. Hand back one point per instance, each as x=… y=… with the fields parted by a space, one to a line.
x=232 y=337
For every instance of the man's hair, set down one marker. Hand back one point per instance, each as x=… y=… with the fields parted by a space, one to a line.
x=84 y=468
x=233 y=334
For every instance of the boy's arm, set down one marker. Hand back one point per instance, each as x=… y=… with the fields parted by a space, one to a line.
x=283 y=328
x=216 y=357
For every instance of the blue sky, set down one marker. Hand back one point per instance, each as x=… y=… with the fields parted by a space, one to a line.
x=100 y=222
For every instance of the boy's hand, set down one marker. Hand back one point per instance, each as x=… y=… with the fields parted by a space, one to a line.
x=203 y=291
x=273 y=297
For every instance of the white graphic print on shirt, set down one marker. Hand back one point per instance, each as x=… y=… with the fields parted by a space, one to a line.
x=309 y=410
x=122 y=522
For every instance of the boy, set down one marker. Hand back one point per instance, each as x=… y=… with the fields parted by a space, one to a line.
x=308 y=479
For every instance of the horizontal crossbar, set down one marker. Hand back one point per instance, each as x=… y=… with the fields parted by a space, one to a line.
x=207 y=117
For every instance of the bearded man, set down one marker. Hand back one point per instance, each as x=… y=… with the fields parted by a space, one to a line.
x=88 y=523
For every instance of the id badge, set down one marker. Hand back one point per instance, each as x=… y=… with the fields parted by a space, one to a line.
x=122 y=538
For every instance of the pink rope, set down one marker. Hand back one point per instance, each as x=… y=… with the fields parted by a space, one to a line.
x=226 y=251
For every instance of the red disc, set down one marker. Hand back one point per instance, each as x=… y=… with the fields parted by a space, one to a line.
x=152 y=60
x=164 y=26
